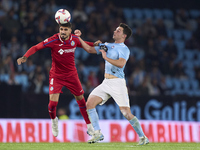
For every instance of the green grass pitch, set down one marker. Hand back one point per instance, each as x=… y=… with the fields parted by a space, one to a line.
x=99 y=146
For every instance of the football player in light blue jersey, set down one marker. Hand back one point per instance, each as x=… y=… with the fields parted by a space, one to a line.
x=114 y=85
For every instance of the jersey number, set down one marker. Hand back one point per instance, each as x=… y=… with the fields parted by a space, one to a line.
x=51 y=82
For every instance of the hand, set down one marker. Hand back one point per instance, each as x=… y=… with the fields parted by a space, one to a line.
x=77 y=32
x=97 y=43
x=21 y=60
x=103 y=54
x=103 y=47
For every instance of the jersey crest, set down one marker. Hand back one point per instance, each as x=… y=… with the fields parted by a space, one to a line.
x=72 y=43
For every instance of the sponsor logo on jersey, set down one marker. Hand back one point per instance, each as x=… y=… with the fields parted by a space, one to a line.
x=113 y=46
x=60 y=44
x=51 y=89
x=72 y=43
x=61 y=51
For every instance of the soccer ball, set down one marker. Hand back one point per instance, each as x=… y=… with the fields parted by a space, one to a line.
x=62 y=16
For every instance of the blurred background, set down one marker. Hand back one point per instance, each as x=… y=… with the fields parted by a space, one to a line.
x=162 y=73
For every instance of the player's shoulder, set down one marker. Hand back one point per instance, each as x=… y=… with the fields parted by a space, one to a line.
x=74 y=37
x=51 y=39
x=123 y=46
x=55 y=37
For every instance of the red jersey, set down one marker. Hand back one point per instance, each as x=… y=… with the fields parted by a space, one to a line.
x=62 y=53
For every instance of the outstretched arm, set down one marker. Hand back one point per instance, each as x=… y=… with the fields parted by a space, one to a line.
x=87 y=48
x=30 y=52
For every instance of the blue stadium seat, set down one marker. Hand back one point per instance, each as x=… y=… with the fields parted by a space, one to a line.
x=180 y=44
x=169 y=82
x=177 y=86
x=186 y=85
x=186 y=34
x=128 y=13
x=137 y=52
x=158 y=14
x=194 y=84
x=46 y=89
x=194 y=13
x=168 y=14
x=188 y=64
x=189 y=54
x=169 y=33
x=197 y=92
x=190 y=73
x=148 y=13
x=179 y=56
x=137 y=13
x=177 y=34
x=23 y=80
x=4 y=77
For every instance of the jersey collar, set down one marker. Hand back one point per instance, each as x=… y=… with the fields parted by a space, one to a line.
x=70 y=38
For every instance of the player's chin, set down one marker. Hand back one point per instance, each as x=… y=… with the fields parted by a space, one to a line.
x=63 y=37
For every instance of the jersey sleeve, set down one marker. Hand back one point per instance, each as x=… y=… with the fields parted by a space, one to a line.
x=34 y=49
x=97 y=48
x=44 y=44
x=124 y=53
x=79 y=43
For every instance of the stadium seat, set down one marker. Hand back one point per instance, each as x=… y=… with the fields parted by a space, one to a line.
x=194 y=13
x=190 y=73
x=4 y=77
x=188 y=64
x=189 y=54
x=148 y=13
x=23 y=80
x=180 y=44
x=137 y=52
x=177 y=34
x=169 y=33
x=168 y=14
x=157 y=13
x=137 y=13
x=128 y=13
x=186 y=85
x=186 y=34
x=46 y=89
x=169 y=82
x=194 y=84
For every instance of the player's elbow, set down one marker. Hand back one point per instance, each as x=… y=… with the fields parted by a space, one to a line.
x=90 y=51
x=121 y=66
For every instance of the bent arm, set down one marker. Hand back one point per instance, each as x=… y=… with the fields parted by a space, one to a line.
x=116 y=62
x=87 y=47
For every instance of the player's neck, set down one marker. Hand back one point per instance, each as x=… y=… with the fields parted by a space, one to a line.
x=119 y=41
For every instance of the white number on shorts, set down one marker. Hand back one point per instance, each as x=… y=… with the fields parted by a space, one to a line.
x=51 y=82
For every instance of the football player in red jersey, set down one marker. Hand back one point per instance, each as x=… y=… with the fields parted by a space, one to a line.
x=63 y=71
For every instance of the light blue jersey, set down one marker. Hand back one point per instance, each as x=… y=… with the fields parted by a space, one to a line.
x=115 y=51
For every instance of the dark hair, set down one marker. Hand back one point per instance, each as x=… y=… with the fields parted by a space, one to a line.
x=69 y=25
x=127 y=30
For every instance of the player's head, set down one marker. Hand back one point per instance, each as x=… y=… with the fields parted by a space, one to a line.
x=65 y=30
x=122 y=33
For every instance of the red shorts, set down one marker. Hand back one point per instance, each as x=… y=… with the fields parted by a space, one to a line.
x=73 y=84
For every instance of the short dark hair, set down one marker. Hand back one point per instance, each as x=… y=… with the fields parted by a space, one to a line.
x=127 y=30
x=69 y=25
